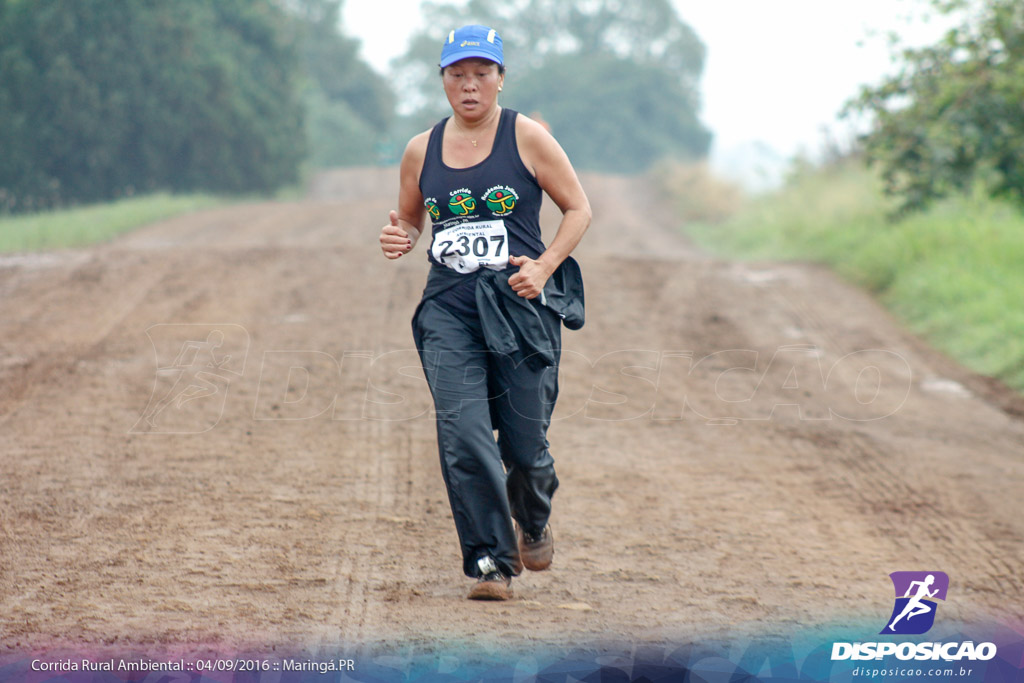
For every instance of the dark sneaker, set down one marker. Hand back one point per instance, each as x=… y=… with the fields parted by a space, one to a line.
x=492 y=584
x=536 y=551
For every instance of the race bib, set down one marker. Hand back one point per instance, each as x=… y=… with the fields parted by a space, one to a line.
x=467 y=247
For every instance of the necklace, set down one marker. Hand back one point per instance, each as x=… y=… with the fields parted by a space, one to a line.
x=466 y=132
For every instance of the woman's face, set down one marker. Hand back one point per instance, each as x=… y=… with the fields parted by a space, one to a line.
x=472 y=86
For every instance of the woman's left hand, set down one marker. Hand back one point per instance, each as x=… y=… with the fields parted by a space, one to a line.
x=532 y=275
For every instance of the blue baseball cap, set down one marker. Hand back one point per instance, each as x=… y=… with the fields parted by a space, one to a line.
x=472 y=41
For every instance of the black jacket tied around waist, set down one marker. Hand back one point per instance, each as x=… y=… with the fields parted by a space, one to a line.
x=510 y=322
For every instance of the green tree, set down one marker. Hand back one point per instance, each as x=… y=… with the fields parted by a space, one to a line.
x=952 y=117
x=617 y=80
x=102 y=98
x=350 y=107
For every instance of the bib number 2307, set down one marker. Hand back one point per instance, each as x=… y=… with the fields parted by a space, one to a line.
x=469 y=246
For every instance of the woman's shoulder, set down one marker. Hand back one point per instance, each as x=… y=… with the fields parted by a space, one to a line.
x=416 y=149
x=534 y=135
x=412 y=158
x=535 y=142
x=530 y=129
x=419 y=141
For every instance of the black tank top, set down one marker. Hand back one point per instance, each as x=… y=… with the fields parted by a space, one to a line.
x=500 y=186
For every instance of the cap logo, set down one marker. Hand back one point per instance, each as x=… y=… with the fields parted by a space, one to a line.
x=466 y=42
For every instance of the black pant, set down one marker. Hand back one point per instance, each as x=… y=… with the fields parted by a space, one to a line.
x=477 y=391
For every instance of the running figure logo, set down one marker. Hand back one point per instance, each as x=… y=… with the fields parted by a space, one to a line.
x=462 y=202
x=194 y=368
x=916 y=593
x=431 y=204
x=501 y=199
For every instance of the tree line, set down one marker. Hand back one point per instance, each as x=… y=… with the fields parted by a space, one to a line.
x=102 y=99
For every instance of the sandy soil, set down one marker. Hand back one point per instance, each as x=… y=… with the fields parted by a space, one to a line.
x=741 y=446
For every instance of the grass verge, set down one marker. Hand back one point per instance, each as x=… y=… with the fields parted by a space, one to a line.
x=954 y=274
x=95 y=223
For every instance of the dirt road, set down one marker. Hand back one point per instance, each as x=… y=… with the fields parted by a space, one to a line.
x=215 y=434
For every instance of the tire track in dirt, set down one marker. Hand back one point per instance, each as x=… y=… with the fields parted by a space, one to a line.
x=35 y=363
x=880 y=488
x=865 y=457
x=378 y=570
x=915 y=509
x=920 y=515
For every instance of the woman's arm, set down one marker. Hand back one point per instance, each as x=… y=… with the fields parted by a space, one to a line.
x=406 y=224
x=546 y=159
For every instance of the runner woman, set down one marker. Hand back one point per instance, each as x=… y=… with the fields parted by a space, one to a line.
x=488 y=327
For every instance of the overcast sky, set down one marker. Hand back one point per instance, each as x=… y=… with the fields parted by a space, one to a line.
x=776 y=72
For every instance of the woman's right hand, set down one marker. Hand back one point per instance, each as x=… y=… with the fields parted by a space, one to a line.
x=394 y=241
